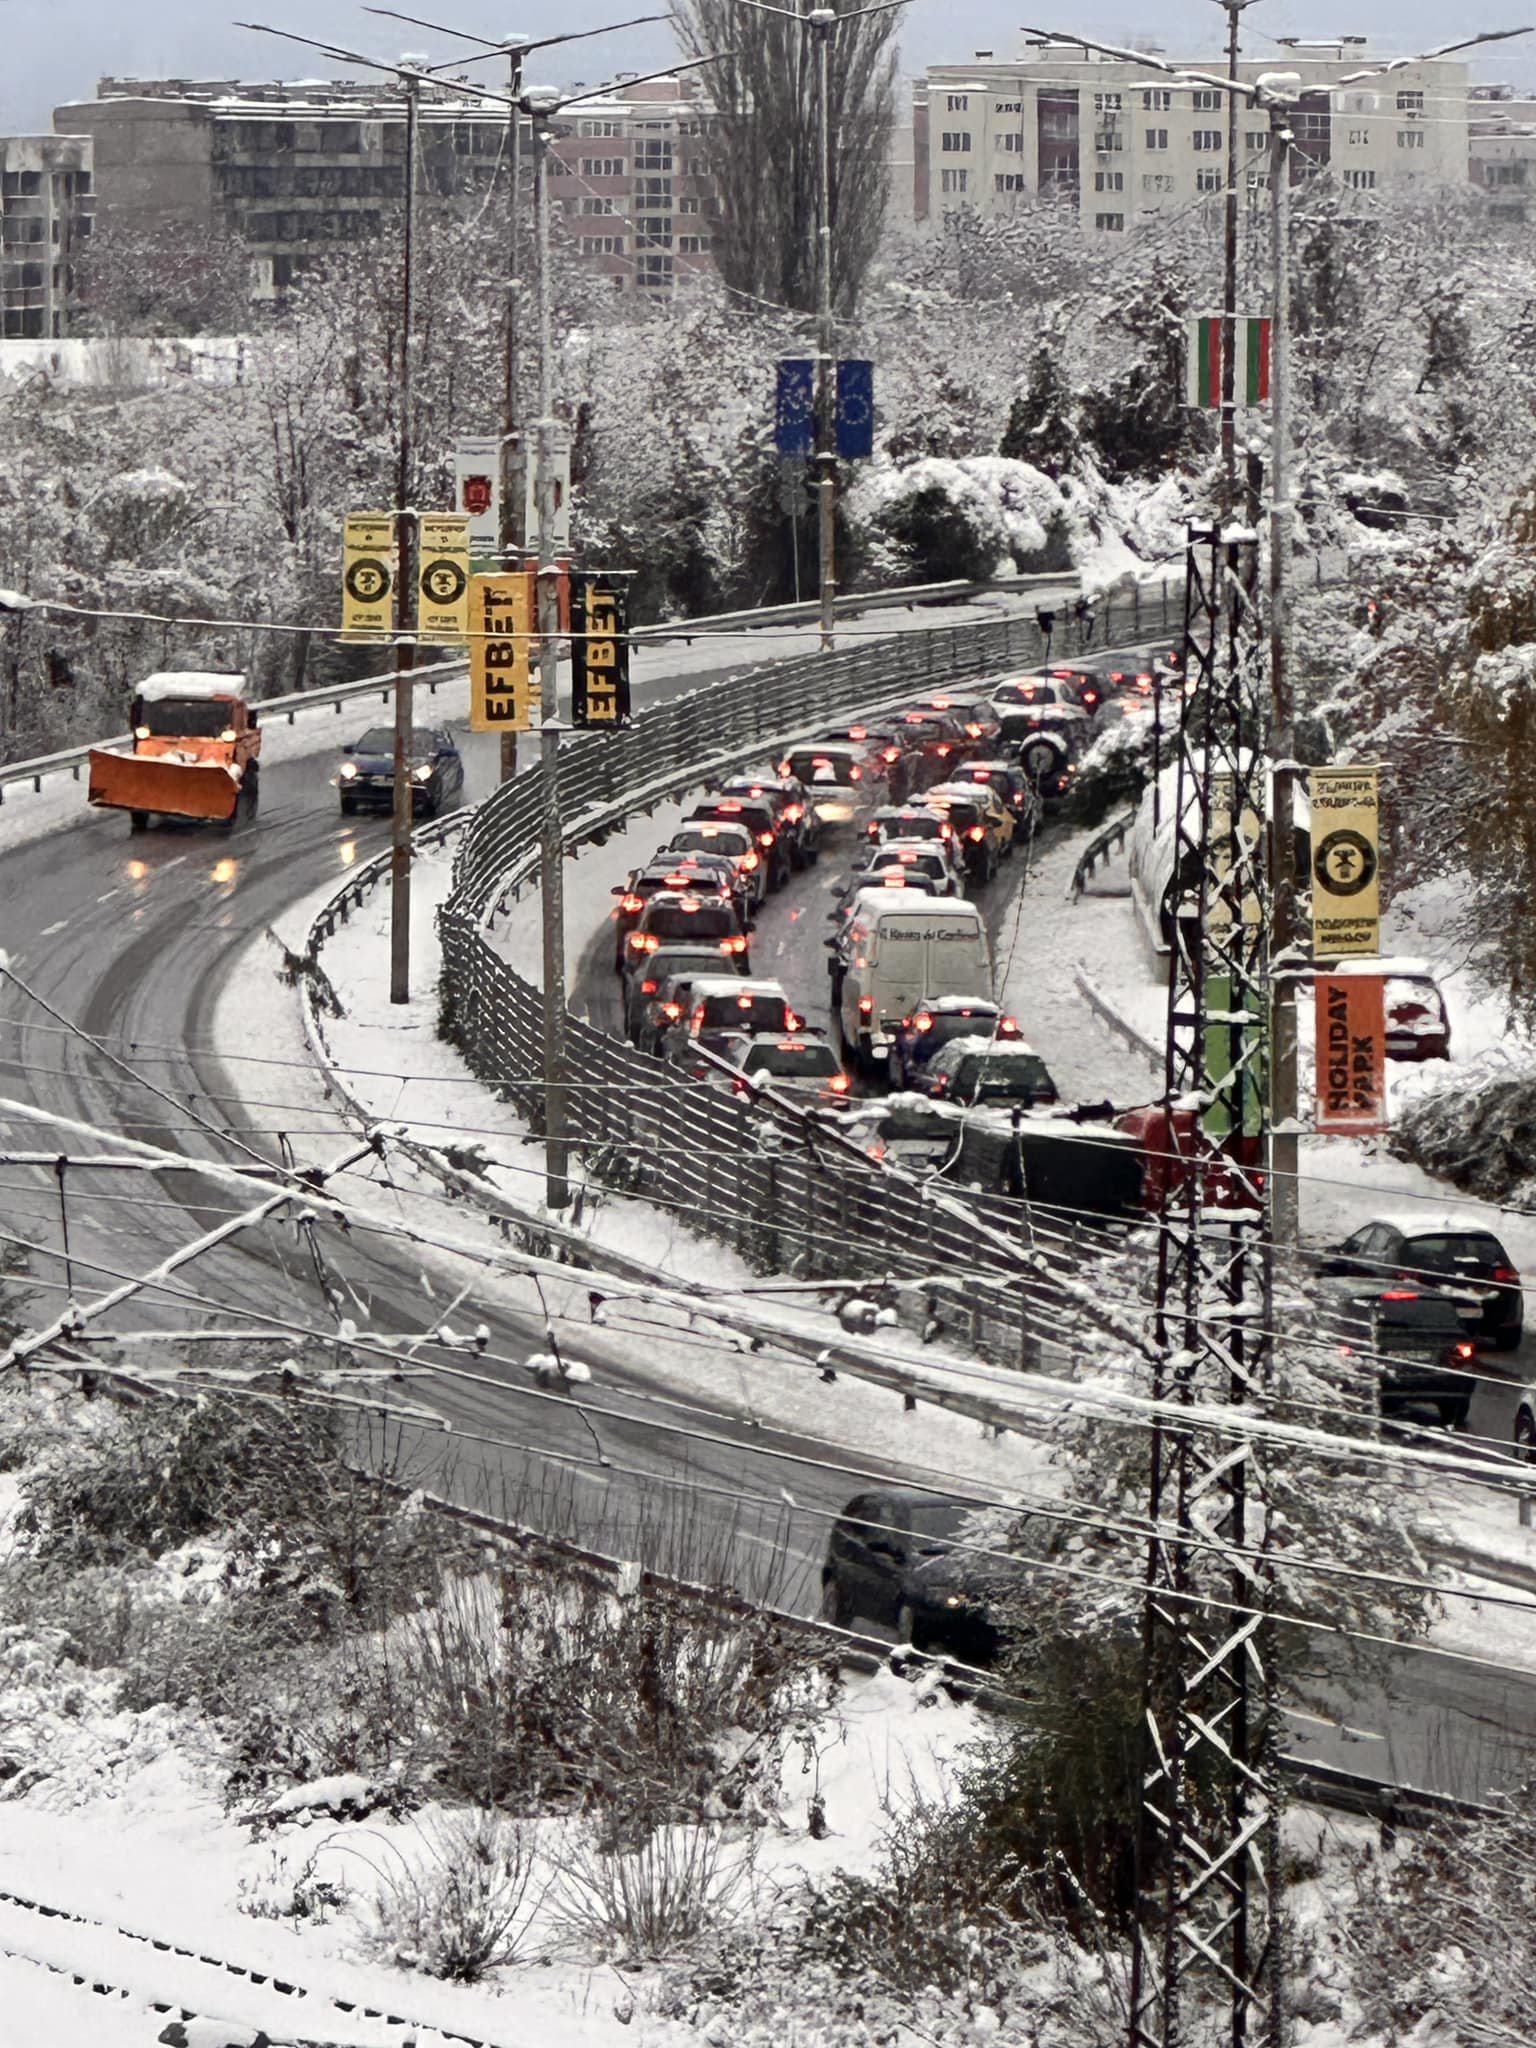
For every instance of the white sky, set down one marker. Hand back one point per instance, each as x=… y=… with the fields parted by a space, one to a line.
x=54 y=50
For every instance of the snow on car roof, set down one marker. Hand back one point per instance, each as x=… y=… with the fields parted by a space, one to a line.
x=945 y=1006
x=735 y=985
x=1431 y=1226
x=166 y=683
x=993 y=1048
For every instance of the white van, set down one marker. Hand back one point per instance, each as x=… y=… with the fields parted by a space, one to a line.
x=892 y=954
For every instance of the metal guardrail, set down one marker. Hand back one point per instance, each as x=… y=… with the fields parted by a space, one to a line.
x=1099 y=848
x=691 y=1147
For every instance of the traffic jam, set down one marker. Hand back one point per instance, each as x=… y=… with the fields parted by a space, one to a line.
x=919 y=809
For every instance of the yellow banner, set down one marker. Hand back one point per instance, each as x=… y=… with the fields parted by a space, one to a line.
x=368 y=576
x=1346 y=861
x=442 y=583
x=502 y=697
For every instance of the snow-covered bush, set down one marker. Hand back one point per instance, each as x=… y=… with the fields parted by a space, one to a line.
x=983 y=516
x=650 y=1901
x=459 y=1900
x=1479 y=1138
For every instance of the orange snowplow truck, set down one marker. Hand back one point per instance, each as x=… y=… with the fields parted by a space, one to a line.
x=195 y=748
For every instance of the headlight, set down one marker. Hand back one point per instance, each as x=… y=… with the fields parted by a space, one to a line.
x=348 y=770
x=424 y=772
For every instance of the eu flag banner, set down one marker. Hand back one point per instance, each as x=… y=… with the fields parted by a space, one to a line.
x=794 y=430
x=855 y=409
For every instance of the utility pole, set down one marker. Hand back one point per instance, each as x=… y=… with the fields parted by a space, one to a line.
x=509 y=410
x=1228 y=497
x=541 y=104
x=822 y=21
x=405 y=584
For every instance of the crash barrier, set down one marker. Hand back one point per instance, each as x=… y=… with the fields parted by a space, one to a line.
x=796 y=1202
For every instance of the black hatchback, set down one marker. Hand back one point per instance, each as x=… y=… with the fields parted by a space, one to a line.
x=367 y=775
x=1460 y=1260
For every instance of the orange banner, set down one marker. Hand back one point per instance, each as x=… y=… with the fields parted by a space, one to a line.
x=1351 y=1054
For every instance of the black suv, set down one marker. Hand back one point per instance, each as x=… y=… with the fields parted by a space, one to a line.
x=1461 y=1261
x=893 y=1560
x=760 y=815
x=798 y=825
x=367 y=777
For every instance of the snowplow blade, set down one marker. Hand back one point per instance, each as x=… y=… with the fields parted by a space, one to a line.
x=177 y=789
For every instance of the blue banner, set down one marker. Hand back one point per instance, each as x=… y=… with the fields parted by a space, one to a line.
x=855 y=409
x=794 y=428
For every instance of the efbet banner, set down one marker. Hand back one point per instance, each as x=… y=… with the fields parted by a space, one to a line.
x=1346 y=861
x=442 y=582
x=794 y=420
x=599 y=655
x=368 y=568
x=502 y=696
x=1250 y=381
x=1351 y=1055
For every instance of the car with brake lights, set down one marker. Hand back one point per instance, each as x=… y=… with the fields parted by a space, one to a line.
x=1009 y=783
x=1394 y=1260
x=797 y=823
x=933 y=742
x=722 y=1006
x=706 y=836
x=935 y=1022
x=893 y=947
x=668 y=975
x=1413 y=1347
x=977 y=715
x=1084 y=687
x=799 y=1065
x=833 y=774
x=366 y=778
x=761 y=818
x=681 y=917
x=982 y=822
x=893 y=881
x=931 y=857
x=907 y=821
x=1046 y=749
x=988 y=1073
x=676 y=873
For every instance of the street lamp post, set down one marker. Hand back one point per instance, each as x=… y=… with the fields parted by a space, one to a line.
x=822 y=21
x=405 y=596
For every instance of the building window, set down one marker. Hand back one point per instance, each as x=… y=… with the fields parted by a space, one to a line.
x=602 y=245
x=654 y=272
x=1107 y=102
x=1311 y=127
x=953 y=181
x=1008 y=181
x=1359 y=137
x=1158 y=102
x=597 y=128
x=21 y=184
x=693 y=245
x=602 y=167
x=1008 y=107
x=1108 y=140
x=1157 y=138
x=1156 y=181
x=652 y=191
x=1208 y=179
x=698 y=167
x=1504 y=174
x=955 y=140
x=1410 y=138
x=958 y=103
x=688 y=204
x=1205 y=102
x=1111 y=223
x=1208 y=138
x=597 y=206
x=653 y=156
x=1258 y=181
x=1258 y=138
x=1010 y=142
x=1410 y=103
x=1360 y=181
x=1109 y=181
x=656 y=228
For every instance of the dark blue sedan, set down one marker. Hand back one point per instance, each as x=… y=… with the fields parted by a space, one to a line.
x=367 y=776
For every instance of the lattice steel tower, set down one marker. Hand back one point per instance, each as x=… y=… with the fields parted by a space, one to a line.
x=1206 y=1910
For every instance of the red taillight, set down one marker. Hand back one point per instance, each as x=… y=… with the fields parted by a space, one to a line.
x=680 y=878
x=736 y=945
x=792 y=1023
x=1466 y=1350
x=749 y=861
x=1007 y=1027
x=866 y=1006
x=765 y=839
x=855 y=774
x=922 y=1021
x=744 y=1002
x=858 y=732
x=839 y=1084
x=730 y=809
x=891 y=754
x=795 y=812
x=673 y=1010
x=943 y=753
x=632 y=903
x=1399 y=1294
x=939 y=1085
x=648 y=988
x=1507 y=1274
x=946 y=831
x=977 y=832
x=974 y=731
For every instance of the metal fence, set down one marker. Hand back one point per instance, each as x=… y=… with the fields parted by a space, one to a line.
x=784 y=1203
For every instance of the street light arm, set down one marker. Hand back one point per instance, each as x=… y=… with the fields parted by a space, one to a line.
x=1181 y=73
x=880 y=7
x=510 y=46
x=598 y=91
x=405 y=71
x=1497 y=35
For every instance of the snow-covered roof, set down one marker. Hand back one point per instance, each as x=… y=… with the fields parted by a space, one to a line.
x=946 y=1006
x=167 y=683
x=999 y=1048
x=1430 y=1225
x=874 y=902
x=734 y=985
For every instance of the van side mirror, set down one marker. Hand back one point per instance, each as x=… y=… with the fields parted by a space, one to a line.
x=251 y=720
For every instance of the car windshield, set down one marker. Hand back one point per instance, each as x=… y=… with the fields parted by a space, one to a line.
x=201 y=718
x=924 y=826
x=380 y=739
x=991 y=1077
x=1455 y=1250
x=811 y=767
x=958 y=1024
x=724 y=839
x=744 y=1013
x=793 y=1062
x=682 y=919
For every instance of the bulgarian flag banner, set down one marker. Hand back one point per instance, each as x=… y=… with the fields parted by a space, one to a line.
x=1250 y=383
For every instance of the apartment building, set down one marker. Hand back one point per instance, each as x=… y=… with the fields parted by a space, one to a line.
x=1110 y=139
x=1503 y=150
x=296 y=169
x=46 y=210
